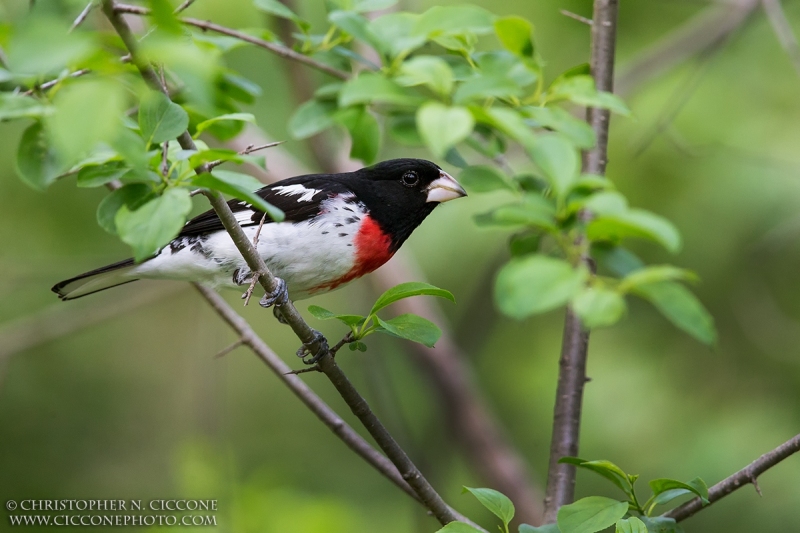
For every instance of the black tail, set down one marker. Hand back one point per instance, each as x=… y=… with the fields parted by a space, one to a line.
x=94 y=281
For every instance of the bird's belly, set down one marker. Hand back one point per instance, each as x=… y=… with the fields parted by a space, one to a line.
x=310 y=256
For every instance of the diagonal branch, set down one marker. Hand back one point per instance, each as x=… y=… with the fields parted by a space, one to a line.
x=316 y=343
x=705 y=30
x=282 y=51
x=748 y=474
x=783 y=30
x=574 y=349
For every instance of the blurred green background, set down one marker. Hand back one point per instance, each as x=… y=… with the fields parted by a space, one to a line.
x=133 y=405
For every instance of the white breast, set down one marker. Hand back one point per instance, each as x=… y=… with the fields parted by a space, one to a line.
x=305 y=254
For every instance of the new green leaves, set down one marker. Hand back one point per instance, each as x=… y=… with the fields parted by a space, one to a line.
x=408 y=326
x=535 y=284
x=442 y=127
x=591 y=514
x=153 y=224
x=160 y=119
x=496 y=502
x=239 y=186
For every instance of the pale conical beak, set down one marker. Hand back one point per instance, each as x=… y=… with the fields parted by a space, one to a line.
x=444 y=189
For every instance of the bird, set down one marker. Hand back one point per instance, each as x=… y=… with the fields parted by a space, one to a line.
x=337 y=228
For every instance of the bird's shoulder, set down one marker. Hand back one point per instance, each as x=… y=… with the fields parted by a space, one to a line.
x=300 y=198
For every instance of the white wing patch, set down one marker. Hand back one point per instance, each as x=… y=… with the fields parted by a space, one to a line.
x=243 y=217
x=305 y=193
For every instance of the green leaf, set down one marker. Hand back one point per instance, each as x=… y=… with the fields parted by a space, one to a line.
x=606 y=203
x=160 y=119
x=277 y=8
x=607 y=469
x=355 y=25
x=591 y=514
x=153 y=224
x=411 y=327
x=364 y=132
x=232 y=117
x=635 y=223
x=323 y=314
x=581 y=90
x=396 y=33
x=496 y=502
x=617 y=259
x=630 y=525
x=97 y=175
x=577 y=130
x=41 y=45
x=534 y=210
x=524 y=243
x=239 y=88
x=598 y=307
x=216 y=154
x=696 y=486
x=680 y=307
x=546 y=528
x=459 y=19
x=558 y=159
x=483 y=178
x=482 y=87
x=403 y=129
x=654 y=274
x=443 y=127
x=132 y=148
x=239 y=186
x=15 y=105
x=535 y=284
x=431 y=71
x=370 y=88
x=132 y=195
x=37 y=164
x=164 y=17
x=515 y=34
x=86 y=112
x=661 y=524
x=458 y=527
x=311 y=118
x=406 y=290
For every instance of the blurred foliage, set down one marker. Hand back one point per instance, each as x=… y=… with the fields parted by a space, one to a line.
x=79 y=418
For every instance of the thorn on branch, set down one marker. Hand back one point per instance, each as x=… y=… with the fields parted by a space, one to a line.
x=183 y=6
x=229 y=349
x=249 y=292
x=754 y=481
x=82 y=16
x=249 y=150
x=314 y=368
x=577 y=17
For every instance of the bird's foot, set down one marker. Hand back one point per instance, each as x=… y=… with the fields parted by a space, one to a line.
x=305 y=350
x=279 y=296
x=278 y=315
x=242 y=276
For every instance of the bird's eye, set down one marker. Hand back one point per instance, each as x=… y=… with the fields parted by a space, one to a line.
x=410 y=178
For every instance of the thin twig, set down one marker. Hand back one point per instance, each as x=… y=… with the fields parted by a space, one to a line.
x=183 y=6
x=277 y=49
x=783 y=30
x=574 y=350
x=228 y=349
x=164 y=160
x=77 y=74
x=249 y=150
x=577 y=17
x=82 y=16
x=748 y=474
x=253 y=282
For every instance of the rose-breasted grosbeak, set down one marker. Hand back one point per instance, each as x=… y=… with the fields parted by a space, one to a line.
x=338 y=227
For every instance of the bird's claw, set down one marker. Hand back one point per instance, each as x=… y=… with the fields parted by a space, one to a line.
x=242 y=276
x=305 y=350
x=277 y=297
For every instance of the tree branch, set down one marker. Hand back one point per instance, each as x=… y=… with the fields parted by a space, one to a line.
x=705 y=30
x=783 y=30
x=574 y=349
x=748 y=474
x=317 y=344
x=282 y=51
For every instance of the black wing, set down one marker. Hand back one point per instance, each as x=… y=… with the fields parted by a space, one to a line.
x=299 y=198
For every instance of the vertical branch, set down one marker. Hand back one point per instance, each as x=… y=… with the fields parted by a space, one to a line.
x=572 y=364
